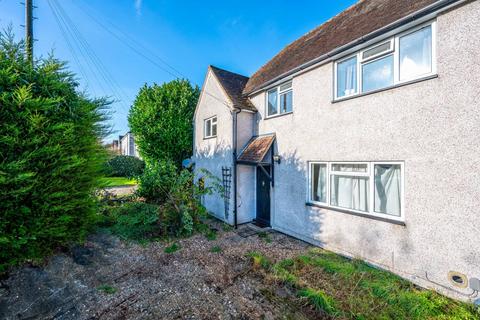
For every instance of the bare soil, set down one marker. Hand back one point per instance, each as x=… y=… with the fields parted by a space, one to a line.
x=147 y=283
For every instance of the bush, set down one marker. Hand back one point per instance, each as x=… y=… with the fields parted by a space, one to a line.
x=124 y=166
x=134 y=221
x=50 y=156
x=161 y=120
x=156 y=181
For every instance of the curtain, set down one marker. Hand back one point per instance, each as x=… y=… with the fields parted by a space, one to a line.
x=321 y=187
x=350 y=192
x=388 y=189
x=350 y=79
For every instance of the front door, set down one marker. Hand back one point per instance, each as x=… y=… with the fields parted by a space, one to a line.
x=263 y=197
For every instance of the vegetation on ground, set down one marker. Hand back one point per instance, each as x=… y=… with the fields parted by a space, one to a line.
x=124 y=166
x=107 y=289
x=161 y=120
x=50 y=156
x=339 y=288
x=108 y=182
x=172 y=248
x=216 y=249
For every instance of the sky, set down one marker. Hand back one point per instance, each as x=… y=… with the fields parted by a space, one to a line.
x=116 y=46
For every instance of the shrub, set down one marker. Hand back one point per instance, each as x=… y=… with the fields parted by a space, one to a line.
x=124 y=166
x=161 y=120
x=156 y=181
x=134 y=221
x=50 y=155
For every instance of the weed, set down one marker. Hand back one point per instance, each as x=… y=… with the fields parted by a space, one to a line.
x=319 y=299
x=172 y=248
x=265 y=236
x=259 y=260
x=226 y=227
x=215 y=249
x=107 y=289
x=211 y=235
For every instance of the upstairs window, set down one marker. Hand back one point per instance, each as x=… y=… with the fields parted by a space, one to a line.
x=404 y=57
x=210 y=127
x=279 y=100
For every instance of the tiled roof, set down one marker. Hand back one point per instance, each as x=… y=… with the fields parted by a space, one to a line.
x=233 y=84
x=359 y=20
x=257 y=149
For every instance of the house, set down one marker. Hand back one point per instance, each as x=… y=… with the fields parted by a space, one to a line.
x=128 y=146
x=361 y=137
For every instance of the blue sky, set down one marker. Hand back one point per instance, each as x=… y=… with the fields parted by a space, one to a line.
x=185 y=35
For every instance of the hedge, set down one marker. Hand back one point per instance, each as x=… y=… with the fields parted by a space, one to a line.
x=50 y=156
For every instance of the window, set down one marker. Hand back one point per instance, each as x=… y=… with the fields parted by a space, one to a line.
x=373 y=188
x=280 y=100
x=210 y=129
x=402 y=58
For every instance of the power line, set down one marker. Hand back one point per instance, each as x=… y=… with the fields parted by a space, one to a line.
x=93 y=62
x=175 y=73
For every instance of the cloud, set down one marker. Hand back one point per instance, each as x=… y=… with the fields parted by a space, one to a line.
x=138 y=7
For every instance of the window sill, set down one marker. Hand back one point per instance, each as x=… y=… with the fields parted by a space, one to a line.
x=365 y=215
x=398 y=85
x=278 y=115
x=208 y=138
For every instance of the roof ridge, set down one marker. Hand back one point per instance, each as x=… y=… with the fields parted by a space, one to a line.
x=225 y=70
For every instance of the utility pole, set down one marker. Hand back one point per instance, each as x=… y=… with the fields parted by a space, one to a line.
x=29 y=29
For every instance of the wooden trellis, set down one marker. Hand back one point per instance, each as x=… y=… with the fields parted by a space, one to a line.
x=227 y=183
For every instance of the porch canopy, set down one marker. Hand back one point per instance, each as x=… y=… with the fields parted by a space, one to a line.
x=256 y=151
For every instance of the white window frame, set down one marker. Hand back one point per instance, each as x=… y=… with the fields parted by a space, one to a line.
x=370 y=173
x=395 y=50
x=279 y=93
x=210 y=122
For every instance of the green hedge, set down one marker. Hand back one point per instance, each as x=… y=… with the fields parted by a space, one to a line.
x=50 y=156
x=124 y=166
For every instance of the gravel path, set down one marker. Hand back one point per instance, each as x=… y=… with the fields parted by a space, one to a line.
x=192 y=283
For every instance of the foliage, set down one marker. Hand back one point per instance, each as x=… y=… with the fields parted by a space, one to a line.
x=161 y=120
x=135 y=221
x=211 y=235
x=351 y=289
x=124 y=166
x=319 y=299
x=177 y=195
x=107 y=182
x=156 y=181
x=259 y=260
x=172 y=248
x=50 y=155
x=216 y=249
x=107 y=289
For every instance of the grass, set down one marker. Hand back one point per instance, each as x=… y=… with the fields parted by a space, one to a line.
x=340 y=288
x=265 y=236
x=108 y=182
x=211 y=235
x=172 y=248
x=215 y=249
x=107 y=289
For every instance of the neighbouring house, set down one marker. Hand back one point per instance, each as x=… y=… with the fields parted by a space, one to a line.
x=113 y=147
x=128 y=146
x=362 y=137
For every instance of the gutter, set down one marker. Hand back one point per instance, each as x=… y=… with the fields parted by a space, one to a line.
x=434 y=8
x=235 y=112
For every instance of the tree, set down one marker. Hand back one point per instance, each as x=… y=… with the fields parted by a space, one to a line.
x=50 y=155
x=161 y=121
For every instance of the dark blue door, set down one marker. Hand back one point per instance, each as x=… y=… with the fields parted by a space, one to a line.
x=263 y=197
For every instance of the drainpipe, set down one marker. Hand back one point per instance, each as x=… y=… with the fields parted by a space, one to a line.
x=235 y=112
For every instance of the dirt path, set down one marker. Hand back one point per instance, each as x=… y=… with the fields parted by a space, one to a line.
x=192 y=283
